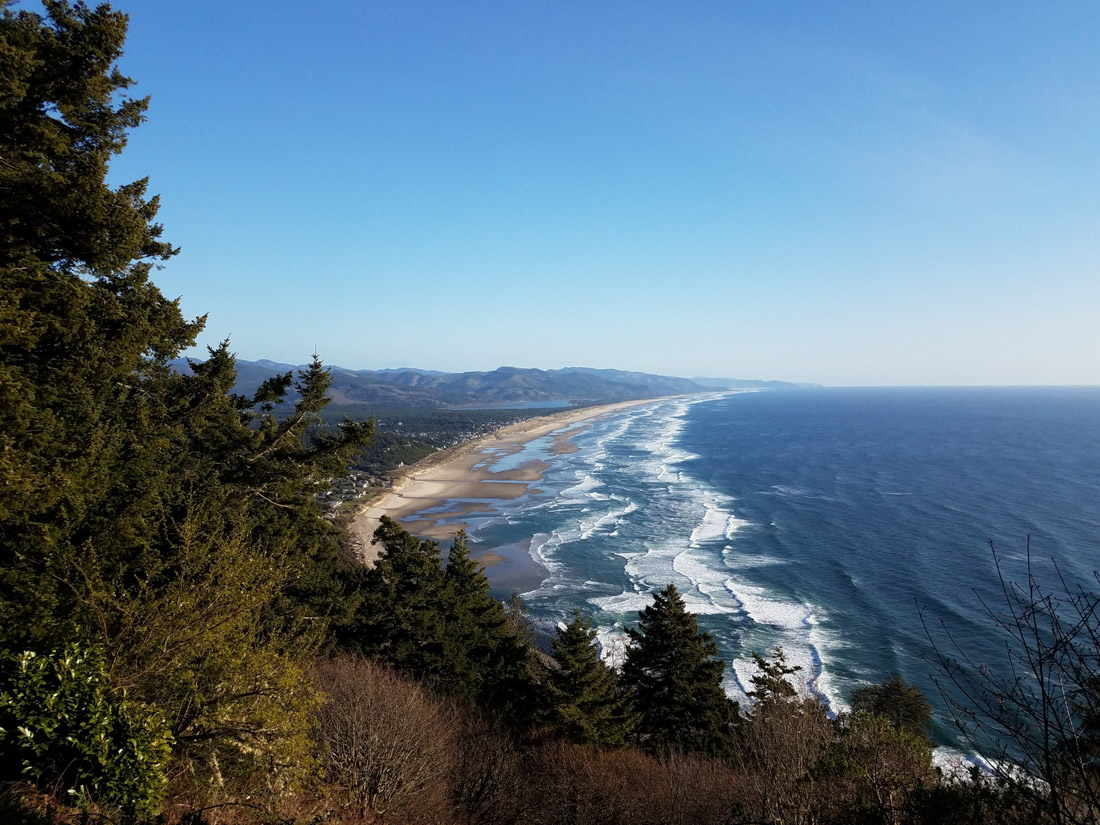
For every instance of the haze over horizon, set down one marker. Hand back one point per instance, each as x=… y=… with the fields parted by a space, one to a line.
x=846 y=194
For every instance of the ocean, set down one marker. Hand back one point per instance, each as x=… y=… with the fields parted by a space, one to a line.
x=822 y=521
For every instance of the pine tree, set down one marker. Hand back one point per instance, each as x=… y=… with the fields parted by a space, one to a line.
x=101 y=442
x=587 y=704
x=78 y=315
x=60 y=125
x=493 y=660
x=770 y=682
x=155 y=515
x=475 y=622
x=675 y=681
x=440 y=625
x=402 y=617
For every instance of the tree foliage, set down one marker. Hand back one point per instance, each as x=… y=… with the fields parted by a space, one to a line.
x=78 y=315
x=490 y=662
x=62 y=122
x=401 y=620
x=169 y=523
x=161 y=516
x=587 y=704
x=62 y=725
x=770 y=683
x=903 y=705
x=872 y=767
x=441 y=625
x=778 y=743
x=675 y=680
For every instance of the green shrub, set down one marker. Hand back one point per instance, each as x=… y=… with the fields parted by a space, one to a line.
x=64 y=729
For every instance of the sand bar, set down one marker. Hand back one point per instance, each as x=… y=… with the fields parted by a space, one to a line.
x=426 y=497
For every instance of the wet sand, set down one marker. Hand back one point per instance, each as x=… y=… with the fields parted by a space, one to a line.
x=460 y=481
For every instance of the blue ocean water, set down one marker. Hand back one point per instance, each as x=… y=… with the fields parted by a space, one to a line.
x=815 y=520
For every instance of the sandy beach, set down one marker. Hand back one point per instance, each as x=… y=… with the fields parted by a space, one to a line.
x=461 y=481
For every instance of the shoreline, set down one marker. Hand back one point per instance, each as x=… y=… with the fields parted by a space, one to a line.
x=460 y=481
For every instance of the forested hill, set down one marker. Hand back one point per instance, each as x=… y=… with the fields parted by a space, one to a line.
x=409 y=387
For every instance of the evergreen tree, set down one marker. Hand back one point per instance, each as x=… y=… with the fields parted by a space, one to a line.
x=903 y=705
x=156 y=515
x=441 y=625
x=78 y=315
x=771 y=683
x=102 y=445
x=587 y=704
x=519 y=625
x=475 y=622
x=488 y=663
x=675 y=681
x=402 y=619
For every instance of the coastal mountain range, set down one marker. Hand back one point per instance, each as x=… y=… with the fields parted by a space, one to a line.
x=409 y=387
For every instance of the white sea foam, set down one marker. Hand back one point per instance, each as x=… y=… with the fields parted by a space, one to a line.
x=617 y=433
x=956 y=765
x=707 y=595
x=824 y=645
x=689 y=536
x=590 y=527
x=717 y=522
x=665 y=456
x=538 y=543
x=713 y=525
x=613 y=643
x=797 y=628
x=733 y=524
x=788 y=490
x=764 y=610
x=627 y=602
x=586 y=483
x=544 y=547
x=655 y=568
x=805 y=679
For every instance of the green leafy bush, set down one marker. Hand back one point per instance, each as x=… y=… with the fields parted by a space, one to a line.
x=64 y=729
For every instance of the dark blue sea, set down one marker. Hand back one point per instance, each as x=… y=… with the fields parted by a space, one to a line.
x=818 y=520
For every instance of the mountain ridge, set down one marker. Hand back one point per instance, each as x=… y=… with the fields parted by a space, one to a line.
x=413 y=387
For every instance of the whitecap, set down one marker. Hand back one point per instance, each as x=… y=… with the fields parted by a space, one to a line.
x=787 y=490
x=613 y=643
x=611 y=517
x=707 y=595
x=586 y=482
x=627 y=602
x=713 y=524
x=796 y=627
x=764 y=610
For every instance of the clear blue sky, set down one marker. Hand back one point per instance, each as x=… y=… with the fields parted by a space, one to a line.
x=850 y=193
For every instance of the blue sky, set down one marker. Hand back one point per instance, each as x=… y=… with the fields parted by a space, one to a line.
x=849 y=193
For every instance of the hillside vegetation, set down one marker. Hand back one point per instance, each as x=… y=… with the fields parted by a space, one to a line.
x=183 y=639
